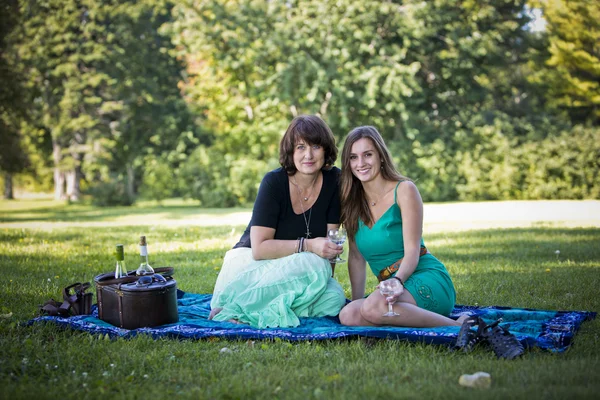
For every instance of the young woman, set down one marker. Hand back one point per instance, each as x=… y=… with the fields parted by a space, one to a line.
x=383 y=215
x=279 y=270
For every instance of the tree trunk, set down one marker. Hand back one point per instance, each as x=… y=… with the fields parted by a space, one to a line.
x=73 y=178
x=130 y=182
x=74 y=175
x=59 y=176
x=8 y=186
x=59 y=184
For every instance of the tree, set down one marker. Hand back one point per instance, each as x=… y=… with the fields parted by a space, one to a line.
x=143 y=108
x=62 y=46
x=108 y=88
x=13 y=157
x=571 y=75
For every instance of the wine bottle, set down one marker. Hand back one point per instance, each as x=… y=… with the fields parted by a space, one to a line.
x=144 y=268
x=120 y=270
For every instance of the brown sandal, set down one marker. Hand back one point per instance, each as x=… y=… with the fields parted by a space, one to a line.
x=76 y=302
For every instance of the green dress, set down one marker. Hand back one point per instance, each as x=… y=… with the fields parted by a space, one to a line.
x=383 y=244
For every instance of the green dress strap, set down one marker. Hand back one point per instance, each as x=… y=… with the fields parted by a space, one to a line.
x=396 y=190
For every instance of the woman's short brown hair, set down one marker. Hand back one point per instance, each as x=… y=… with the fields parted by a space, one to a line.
x=312 y=130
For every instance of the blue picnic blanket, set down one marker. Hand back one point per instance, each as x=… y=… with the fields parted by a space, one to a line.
x=548 y=330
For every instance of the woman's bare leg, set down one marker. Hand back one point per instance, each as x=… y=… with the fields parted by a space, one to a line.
x=351 y=315
x=374 y=306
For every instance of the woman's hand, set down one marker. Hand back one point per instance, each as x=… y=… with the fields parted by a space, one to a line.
x=398 y=291
x=323 y=247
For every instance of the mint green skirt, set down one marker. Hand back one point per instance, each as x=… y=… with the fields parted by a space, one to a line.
x=274 y=293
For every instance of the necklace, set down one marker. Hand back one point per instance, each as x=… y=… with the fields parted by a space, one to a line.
x=312 y=186
x=381 y=196
x=306 y=220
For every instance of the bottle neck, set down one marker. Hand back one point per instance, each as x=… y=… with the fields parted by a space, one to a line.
x=120 y=270
x=143 y=255
x=119 y=256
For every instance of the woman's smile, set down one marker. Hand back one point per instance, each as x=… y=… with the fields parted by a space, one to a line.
x=364 y=160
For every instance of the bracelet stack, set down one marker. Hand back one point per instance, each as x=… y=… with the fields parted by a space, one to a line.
x=300 y=245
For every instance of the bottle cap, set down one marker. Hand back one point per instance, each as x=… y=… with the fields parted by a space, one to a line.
x=119 y=253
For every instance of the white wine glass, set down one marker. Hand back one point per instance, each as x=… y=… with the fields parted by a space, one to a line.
x=337 y=236
x=387 y=289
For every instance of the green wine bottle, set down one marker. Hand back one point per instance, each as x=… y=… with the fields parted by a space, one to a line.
x=120 y=270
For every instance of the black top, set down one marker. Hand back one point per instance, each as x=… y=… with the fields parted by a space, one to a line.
x=273 y=208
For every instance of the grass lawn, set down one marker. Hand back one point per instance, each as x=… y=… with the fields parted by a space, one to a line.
x=498 y=253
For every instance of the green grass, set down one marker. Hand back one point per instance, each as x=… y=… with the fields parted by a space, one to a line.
x=45 y=245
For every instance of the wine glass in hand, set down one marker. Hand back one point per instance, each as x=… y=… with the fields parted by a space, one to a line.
x=387 y=289
x=337 y=236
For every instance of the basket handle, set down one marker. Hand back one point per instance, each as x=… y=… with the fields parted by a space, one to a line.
x=105 y=279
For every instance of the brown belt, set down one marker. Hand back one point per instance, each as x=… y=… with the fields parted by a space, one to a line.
x=387 y=272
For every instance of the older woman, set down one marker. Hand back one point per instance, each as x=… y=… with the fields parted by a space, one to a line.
x=280 y=269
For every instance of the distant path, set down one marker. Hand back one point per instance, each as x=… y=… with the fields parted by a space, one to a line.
x=438 y=217
x=509 y=214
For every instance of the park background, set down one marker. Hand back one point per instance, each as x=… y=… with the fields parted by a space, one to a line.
x=122 y=118
x=117 y=101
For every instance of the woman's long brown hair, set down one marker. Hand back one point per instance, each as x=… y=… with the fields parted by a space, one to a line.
x=354 y=200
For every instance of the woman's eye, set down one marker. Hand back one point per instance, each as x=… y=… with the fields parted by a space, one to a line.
x=353 y=157
x=316 y=147
x=300 y=147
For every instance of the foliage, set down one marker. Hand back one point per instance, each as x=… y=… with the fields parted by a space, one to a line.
x=148 y=117
x=438 y=79
x=566 y=166
x=105 y=84
x=13 y=157
x=204 y=177
x=452 y=86
x=62 y=49
x=159 y=181
x=243 y=178
x=220 y=180
x=110 y=193
x=563 y=166
x=572 y=73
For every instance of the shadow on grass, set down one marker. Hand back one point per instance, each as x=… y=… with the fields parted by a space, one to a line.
x=82 y=213
x=121 y=234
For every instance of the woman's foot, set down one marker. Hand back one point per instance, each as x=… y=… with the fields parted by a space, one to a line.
x=462 y=318
x=214 y=312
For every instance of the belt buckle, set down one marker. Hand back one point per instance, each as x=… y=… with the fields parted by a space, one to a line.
x=388 y=272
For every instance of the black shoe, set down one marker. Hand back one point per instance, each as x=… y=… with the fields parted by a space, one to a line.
x=467 y=338
x=505 y=344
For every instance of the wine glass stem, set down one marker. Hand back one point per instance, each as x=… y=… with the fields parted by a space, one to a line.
x=390 y=309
